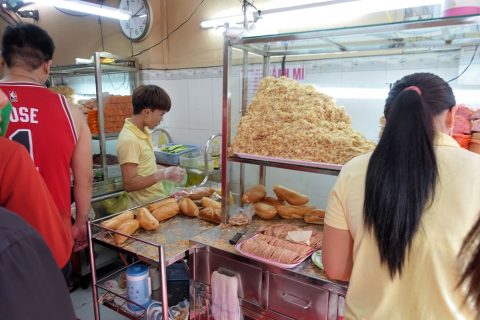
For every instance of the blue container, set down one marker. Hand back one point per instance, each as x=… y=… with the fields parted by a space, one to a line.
x=177 y=272
x=174 y=158
x=139 y=287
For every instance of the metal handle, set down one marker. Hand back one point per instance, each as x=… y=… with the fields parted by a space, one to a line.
x=169 y=137
x=299 y=302
x=235 y=238
x=207 y=150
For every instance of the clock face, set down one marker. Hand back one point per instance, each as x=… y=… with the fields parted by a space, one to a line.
x=139 y=24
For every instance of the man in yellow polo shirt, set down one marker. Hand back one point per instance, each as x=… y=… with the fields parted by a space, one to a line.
x=141 y=177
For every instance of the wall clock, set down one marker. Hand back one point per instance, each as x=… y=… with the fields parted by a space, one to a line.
x=140 y=23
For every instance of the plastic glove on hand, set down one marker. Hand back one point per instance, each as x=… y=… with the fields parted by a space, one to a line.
x=175 y=174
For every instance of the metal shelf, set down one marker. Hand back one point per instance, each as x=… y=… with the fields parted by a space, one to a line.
x=107 y=297
x=108 y=136
x=173 y=234
x=103 y=63
x=298 y=167
x=119 y=64
x=400 y=37
x=89 y=69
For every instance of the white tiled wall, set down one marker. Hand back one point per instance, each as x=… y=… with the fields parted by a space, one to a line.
x=197 y=95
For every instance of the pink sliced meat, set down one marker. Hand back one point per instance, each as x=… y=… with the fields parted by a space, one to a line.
x=476 y=115
x=462 y=125
x=464 y=112
x=476 y=125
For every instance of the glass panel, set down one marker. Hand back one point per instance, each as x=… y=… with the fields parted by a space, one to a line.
x=413 y=36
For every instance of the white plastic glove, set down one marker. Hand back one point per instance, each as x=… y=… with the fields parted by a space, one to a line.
x=175 y=174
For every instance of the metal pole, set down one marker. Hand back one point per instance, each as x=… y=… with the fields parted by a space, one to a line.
x=101 y=117
x=96 y=308
x=226 y=131
x=244 y=110
x=262 y=172
x=163 y=278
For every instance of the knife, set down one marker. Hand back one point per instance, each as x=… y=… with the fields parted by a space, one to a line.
x=237 y=237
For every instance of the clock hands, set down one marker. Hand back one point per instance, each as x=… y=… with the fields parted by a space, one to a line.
x=135 y=15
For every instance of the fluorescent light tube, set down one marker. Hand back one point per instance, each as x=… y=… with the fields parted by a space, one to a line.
x=86 y=7
x=461 y=95
x=312 y=12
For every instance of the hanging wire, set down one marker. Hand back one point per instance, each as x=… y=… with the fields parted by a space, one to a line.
x=468 y=66
x=172 y=32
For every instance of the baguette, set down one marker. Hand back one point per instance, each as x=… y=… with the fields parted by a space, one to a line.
x=210 y=214
x=291 y=196
x=153 y=206
x=265 y=211
x=294 y=212
x=209 y=203
x=273 y=201
x=199 y=193
x=166 y=211
x=128 y=227
x=254 y=194
x=115 y=222
x=188 y=207
x=147 y=220
x=316 y=216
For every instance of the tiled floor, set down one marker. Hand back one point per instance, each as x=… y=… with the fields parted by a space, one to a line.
x=82 y=302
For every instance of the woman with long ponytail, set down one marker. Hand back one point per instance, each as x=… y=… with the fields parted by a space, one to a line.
x=396 y=217
x=470 y=256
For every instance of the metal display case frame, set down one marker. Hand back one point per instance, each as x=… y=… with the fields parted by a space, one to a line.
x=162 y=247
x=430 y=35
x=103 y=63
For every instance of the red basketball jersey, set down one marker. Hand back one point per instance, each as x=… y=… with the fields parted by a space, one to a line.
x=42 y=122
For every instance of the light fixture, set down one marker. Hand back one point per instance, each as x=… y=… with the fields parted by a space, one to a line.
x=86 y=7
x=320 y=10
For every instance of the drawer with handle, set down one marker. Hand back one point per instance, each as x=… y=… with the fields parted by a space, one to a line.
x=295 y=299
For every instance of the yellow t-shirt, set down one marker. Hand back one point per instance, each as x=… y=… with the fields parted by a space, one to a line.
x=427 y=286
x=135 y=146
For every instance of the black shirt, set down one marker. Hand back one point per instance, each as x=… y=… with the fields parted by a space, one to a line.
x=31 y=285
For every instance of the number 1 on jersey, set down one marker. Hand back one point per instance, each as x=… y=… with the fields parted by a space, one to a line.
x=24 y=137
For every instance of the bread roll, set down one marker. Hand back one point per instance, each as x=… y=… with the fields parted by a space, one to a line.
x=316 y=216
x=128 y=227
x=147 y=220
x=265 y=211
x=273 y=201
x=210 y=214
x=210 y=203
x=294 y=212
x=291 y=196
x=188 y=207
x=118 y=220
x=199 y=193
x=254 y=194
x=166 y=211
x=152 y=207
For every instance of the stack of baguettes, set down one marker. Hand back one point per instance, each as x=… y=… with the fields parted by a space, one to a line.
x=288 y=120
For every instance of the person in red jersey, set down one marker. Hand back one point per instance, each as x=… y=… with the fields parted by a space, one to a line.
x=23 y=191
x=55 y=134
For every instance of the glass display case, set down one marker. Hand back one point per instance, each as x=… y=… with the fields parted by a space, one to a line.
x=107 y=75
x=398 y=38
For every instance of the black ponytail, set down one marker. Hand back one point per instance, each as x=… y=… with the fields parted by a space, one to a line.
x=402 y=172
x=471 y=274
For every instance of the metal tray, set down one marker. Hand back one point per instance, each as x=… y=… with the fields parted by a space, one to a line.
x=272 y=262
x=321 y=165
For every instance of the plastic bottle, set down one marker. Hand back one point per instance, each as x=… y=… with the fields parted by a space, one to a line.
x=215 y=153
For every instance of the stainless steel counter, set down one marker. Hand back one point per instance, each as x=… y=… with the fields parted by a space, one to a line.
x=267 y=292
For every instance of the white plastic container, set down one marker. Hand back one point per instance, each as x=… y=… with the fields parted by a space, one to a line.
x=139 y=287
x=452 y=8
